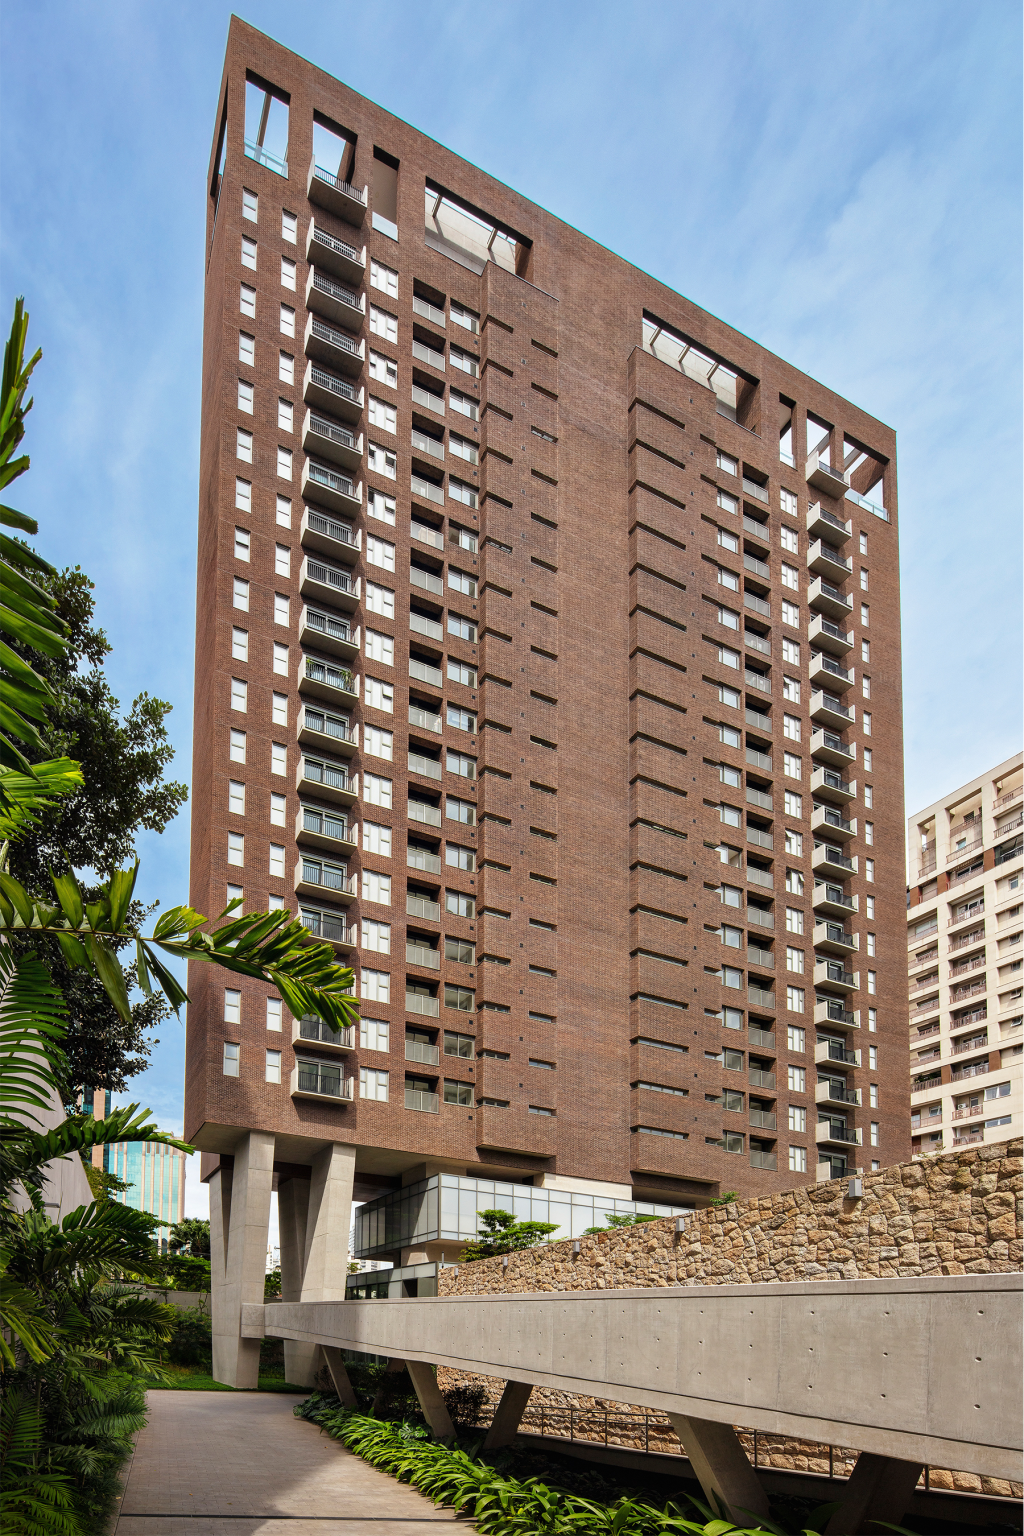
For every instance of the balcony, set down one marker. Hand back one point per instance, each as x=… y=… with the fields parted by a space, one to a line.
x=429 y=767
x=1011 y=794
x=975 y=963
x=827 y=747
x=832 y=900
x=427 y=581
x=759 y=759
x=421 y=625
x=419 y=1098
x=826 y=636
x=317 y=728
x=430 y=355
x=762 y=877
x=826 y=672
x=331 y=781
x=327 y=928
x=760 y=918
x=823 y=560
x=831 y=822
x=832 y=973
x=328 y=633
x=827 y=599
x=321 y=680
x=331 y=441
x=422 y=442
x=333 y=255
x=822 y=477
x=324 y=829
x=830 y=1012
x=832 y=1092
x=419 y=1050
x=423 y=672
x=424 y=534
x=757 y=605
x=972 y=1069
x=327 y=344
x=421 y=1003
x=424 y=719
x=758 y=567
x=965 y=939
x=755 y=489
x=328 y=583
x=761 y=997
x=968 y=1138
x=759 y=837
x=761 y=1159
x=423 y=908
x=327 y=392
x=317 y=1080
x=758 y=531
x=961 y=852
x=827 y=710
x=328 y=536
x=968 y=915
x=314 y=877
x=316 y=1032
x=838 y=1133
x=422 y=811
x=764 y=1119
x=834 y=939
x=328 y=488
x=759 y=797
x=757 y=680
x=422 y=954
x=974 y=989
x=831 y=1053
x=428 y=399
x=422 y=858
x=873 y=507
x=762 y=1037
x=826 y=858
x=822 y=524
x=755 y=642
x=975 y=1043
x=761 y=1079
x=968 y=1111
x=330 y=192
x=334 y=302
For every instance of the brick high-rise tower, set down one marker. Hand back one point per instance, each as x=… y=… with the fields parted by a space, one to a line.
x=548 y=663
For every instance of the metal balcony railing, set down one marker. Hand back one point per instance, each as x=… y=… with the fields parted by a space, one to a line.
x=324 y=672
x=426 y=397
x=755 y=680
x=975 y=1043
x=328 y=725
x=759 y=1159
x=427 y=354
x=423 y=907
x=426 y=579
x=757 y=605
x=836 y=856
x=759 y=759
x=424 y=718
x=336 y=386
x=839 y=1053
x=965 y=939
x=312 y=1028
x=759 y=838
x=422 y=954
x=324 y=925
x=336 y=182
x=422 y=1003
x=325 y=773
x=336 y=628
x=756 y=643
x=751 y=563
x=763 y=1037
x=974 y=1069
x=327 y=285
x=340 y=435
x=420 y=1050
x=424 y=672
x=330 y=479
x=324 y=332
x=340 y=248
x=763 y=1118
x=330 y=1083
x=427 y=310
x=342 y=533
x=324 y=874
x=417 y=1098
x=324 y=823
x=760 y=1079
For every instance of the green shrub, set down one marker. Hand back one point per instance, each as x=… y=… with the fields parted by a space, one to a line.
x=191 y=1341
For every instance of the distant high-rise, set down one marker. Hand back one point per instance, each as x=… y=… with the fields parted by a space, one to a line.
x=154 y=1173
x=548 y=666
x=965 y=963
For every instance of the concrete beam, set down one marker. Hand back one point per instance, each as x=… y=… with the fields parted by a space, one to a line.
x=721 y=1467
x=879 y=1488
x=508 y=1415
x=435 y=1410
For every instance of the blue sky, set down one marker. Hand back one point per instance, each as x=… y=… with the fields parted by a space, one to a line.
x=839 y=182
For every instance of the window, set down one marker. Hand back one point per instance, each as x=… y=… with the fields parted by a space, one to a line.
x=865 y=687
x=730 y=696
x=289 y=226
x=794 y=882
x=459 y=904
x=795 y=961
x=791 y=615
x=231 y=1051
x=373 y=1083
x=872 y=982
x=284 y=463
x=381 y=414
x=232 y=1006
x=236 y=797
x=728 y=657
x=791 y=689
x=870 y=907
x=383 y=324
x=729 y=617
x=794 y=804
x=726 y=462
x=380 y=600
x=464 y=628
x=241 y=543
x=375 y=986
x=727 y=578
x=729 y=775
x=381 y=507
x=237 y=747
x=282 y=605
x=729 y=815
x=796 y=1037
x=378 y=743
x=872 y=1057
x=379 y=695
x=461 y=950
x=383 y=370
x=380 y=552
x=869 y=870
x=377 y=839
x=247 y=303
x=274 y=1014
x=249 y=253
x=464 y=405
x=287 y=320
x=733 y=937
x=464 y=361
x=239 y=644
x=277 y=856
x=278 y=810
x=790 y=540
x=875 y=1128
x=731 y=896
x=381 y=460
x=460 y=810
x=236 y=848
x=462 y=448
x=797 y=1117
x=728 y=541
x=461 y=998
x=873 y=1095
x=243 y=445
x=273 y=1070
x=795 y=999
x=279 y=709
x=461 y=672
x=458 y=762
x=459 y=857
x=287 y=273
x=239 y=694
x=377 y=791
x=728 y=503
x=285 y=420
x=794 y=920
x=790 y=576
x=868 y=760
x=464 y=317
x=374 y=1034
x=376 y=887
x=797 y=1079
x=791 y=651
x=794 y=843
x=865 y=614
x=461 y=581
x=243 y=495
x=280 y=659
x=798 y=1159
x=863 y=579
x=462 y=719
x=457 y=1093
x=865 y=650
x=729 y=736
x=378 y=647
x=791 y=727
x=376 y=937
x=731 y=977
x=384 y=278
x=246 y=354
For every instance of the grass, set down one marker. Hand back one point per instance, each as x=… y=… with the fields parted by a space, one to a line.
x=197 y=1378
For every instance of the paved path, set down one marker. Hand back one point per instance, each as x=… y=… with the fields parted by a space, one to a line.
x=233 y=1464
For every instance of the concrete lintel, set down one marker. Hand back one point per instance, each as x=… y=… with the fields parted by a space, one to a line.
x=433 y=1404
x=879 y=1488
x=339 y=1375
x=508 y=1414
x=721 y=1467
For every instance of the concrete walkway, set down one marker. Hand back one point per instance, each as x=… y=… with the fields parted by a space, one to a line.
x=233 y=1464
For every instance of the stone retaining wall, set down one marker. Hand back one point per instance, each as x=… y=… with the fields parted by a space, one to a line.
x=956 y=1214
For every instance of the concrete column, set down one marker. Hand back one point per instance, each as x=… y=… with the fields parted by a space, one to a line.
x=220 y=1223
x=300 y=1360
x=721 y=1467
x=339 y=1375
x=244 y=1226
x=508 y=1414
x=328 y=1222
x=433 y=1404
x=879 y=1488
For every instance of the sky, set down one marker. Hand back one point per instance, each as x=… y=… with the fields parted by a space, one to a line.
x=839 y=182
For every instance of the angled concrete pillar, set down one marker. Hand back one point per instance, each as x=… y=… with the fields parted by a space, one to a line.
x=339 y=1375
x=292 y=1210
x=220 y=1222
x=429 y=1393
x=721 y=1467
x=879 y=1488
x=315 y=1216
x=508 y=1414
x=242 y=1207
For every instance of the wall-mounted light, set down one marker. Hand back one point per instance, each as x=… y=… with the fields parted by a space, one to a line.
x=855 y=1189
x=577 y=1245
x=680 y=1223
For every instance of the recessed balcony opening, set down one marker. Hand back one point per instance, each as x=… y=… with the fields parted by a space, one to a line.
x=736 y=393
x=468 y=236
x=266 y=125
x=865 y=477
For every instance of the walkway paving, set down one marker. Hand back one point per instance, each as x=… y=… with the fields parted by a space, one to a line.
x=233 y=1464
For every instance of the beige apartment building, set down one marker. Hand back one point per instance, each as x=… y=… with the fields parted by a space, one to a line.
x=964 y=957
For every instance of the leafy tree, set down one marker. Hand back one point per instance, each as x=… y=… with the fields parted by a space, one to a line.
x=191 y=1236
x=629 y=1219
x=104 y=1184
x=502 y=1233
x=729 y=1198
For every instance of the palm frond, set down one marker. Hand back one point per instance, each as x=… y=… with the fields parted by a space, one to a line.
x=32 y=1015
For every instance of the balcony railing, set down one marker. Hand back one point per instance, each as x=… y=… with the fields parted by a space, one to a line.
x=427 y=354
x=751 y=563
x=838 y=1093
x=327 y=285
x=422 y=1003
x=424 y=718
x=751 y=488
x=423 y=907
x=324 y=332
x=761 y=919
x=965 y=917
x=966 y=848
x=838 y=1053
x=417 y=1098
x=761 y=996
x=760 y=1159
x=757 y=605
x=869 y=506
x=426 y=535
x=926 y=867
x=324 y=823
x=765 y=1119
x=763 y=1037
x=427 y=398
x=759 y=759
x=975 y=1043
x=422 y=954
x=340 y=435
x=975 y=1069
x=756 y=680
x=330 y=479
x=335 y=385
x=759 y=530
x=325 y=773
x=759 y=838
x=331 y=1084
x=1011 y=794
x=835 y=819
x=1010 y=826
x=758 y=797
x=419 y=1050
x=970 y=1139
x=339 y=247
x=761 y=1079
x=832 y=1130
x=329 y=575
x=966 y=938
x=760 y=877
x=421 y=625
x=968 y=1111
x=830 y=702
x=312 y=1028
x=263 y=156
x=426 y=579
x=336 y=628
x=834 y=668
x=422 y=858
x=324 y=875
x=958 y=994
x=835 y=856
x=426 y=444
x=319 y=523
x=423 y=672
x=332 y=180
x=324 y=925
x=323 y=672
x=756 y=643
x=429 y=767
x=422 y=810
x=427 y=310
x=327 y=725
x=928 y=1029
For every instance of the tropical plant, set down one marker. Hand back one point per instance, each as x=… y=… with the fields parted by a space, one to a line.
x=191 y=1236
x=629 y=1219
x=502 y=1233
